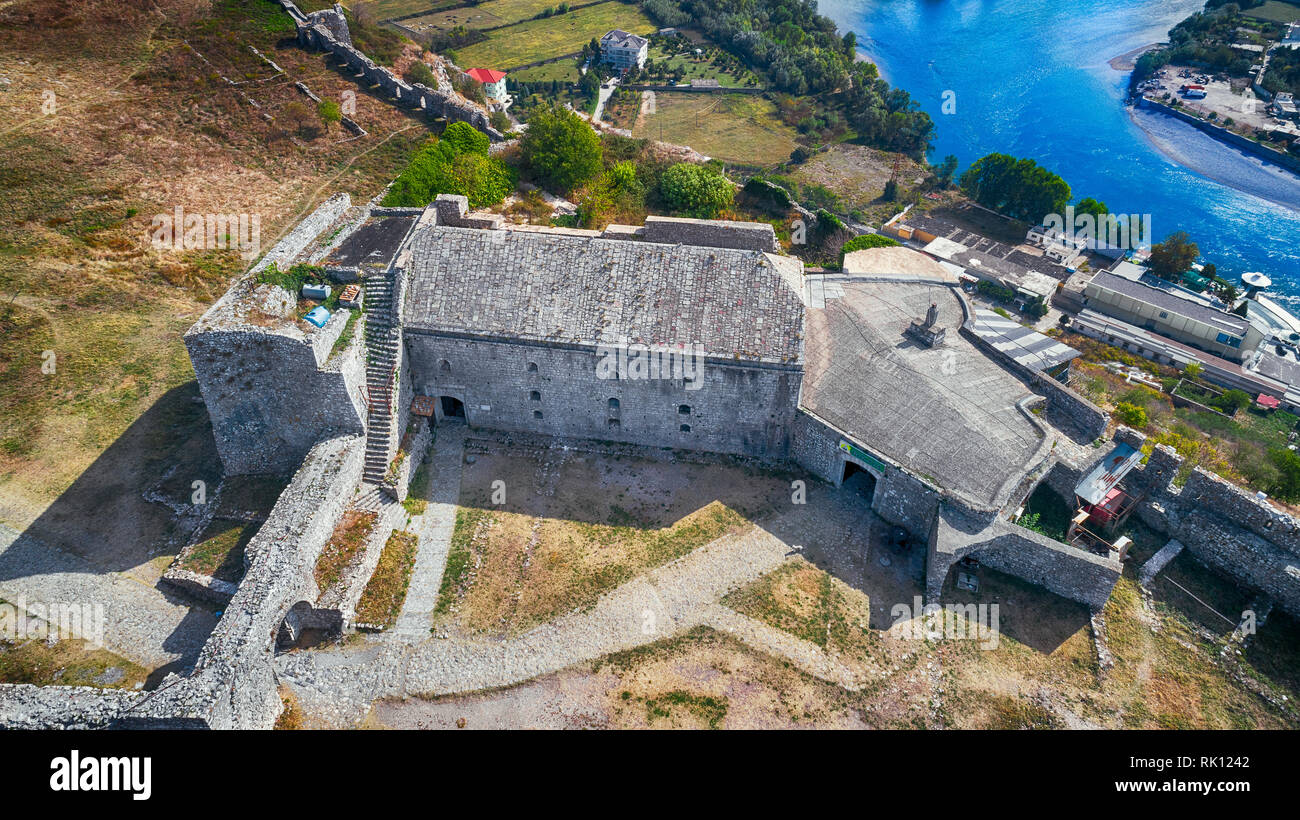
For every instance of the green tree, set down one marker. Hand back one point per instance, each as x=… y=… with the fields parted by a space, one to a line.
x=1169 y=259
x=1131 y=415
x=944 y=171
x=329 y=112
x=419 y=72
x=1287 y=483
x=561 y=149
x=1018 y=188
x=441 y=167
x=695 y=190
x=466 y=139
x=1088 y=205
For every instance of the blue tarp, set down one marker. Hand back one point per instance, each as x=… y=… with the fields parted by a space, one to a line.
x=318 y=316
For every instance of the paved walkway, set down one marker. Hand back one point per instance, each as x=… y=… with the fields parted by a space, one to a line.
x=602 y=97
x=139 y=621
x=434 y=528
x=339 y=685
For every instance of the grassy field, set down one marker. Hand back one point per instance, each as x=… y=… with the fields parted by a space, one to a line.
x=485 y=15
x=543 y=39
x=220 y=550
x=1275 y=11
x=96 y=394
x=345 y=544
x=566 y=71
x=701 y=67
x=66 y=663
x=553 y=548
x=733 y=127
x=388 y=9
x=381 y=601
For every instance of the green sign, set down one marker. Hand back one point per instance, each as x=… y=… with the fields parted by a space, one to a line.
x=862 y=455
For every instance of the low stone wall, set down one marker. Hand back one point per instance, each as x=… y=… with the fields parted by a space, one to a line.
x=1069 y=572
x=1067 y=410
x=233 y=685
x=747 y=236
x=1220 y=524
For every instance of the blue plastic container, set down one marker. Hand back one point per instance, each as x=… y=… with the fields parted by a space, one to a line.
x=318 y=316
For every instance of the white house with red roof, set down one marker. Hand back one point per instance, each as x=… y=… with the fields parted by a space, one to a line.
x=494 y=83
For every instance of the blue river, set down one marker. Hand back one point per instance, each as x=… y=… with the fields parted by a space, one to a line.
x=1033 y=79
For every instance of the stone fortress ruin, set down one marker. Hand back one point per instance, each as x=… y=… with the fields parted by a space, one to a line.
x=679 y=335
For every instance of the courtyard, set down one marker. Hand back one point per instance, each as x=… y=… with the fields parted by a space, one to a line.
x=611 y=586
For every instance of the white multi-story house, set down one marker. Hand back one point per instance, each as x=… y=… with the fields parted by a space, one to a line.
x=623 y=50
x=494 y=84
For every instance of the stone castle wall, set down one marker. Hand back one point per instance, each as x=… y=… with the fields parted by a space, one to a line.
x=322 y=34
x=233 y=685
x=739 y=409
x=270 y=399
x=272 y=388
x=1222 y=525
x=900 y=498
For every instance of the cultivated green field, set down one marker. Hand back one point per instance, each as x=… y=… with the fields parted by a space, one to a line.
x=733 y=127
x=485 y=15
x=695 y=67
x=566 y=71
x=1276 y=11
x=388 y=9
x=553 y=37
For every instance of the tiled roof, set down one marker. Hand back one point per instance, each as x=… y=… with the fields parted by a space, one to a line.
x=553 y=287
x=618 y=38
x=486 y=75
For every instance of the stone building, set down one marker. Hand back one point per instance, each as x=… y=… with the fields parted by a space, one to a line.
x=682 y=333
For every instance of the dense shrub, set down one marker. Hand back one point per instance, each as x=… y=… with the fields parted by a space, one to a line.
x=561 y=149
x=695 y=190
x=456 y=164
x=1131 y=414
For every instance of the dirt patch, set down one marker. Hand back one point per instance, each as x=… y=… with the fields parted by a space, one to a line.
x=571 y=525
x=700 y=680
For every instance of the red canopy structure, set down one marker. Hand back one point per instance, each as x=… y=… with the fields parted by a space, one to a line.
x=1266 y=401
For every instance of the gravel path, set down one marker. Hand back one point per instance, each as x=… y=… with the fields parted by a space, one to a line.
x=808 y=656
x=139 y=622
x=338 y=686
x=434 y=528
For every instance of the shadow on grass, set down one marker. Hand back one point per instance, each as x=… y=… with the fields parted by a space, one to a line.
x=103 y=524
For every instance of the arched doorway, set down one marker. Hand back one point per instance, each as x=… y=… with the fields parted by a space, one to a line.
x=453 y=408
x=858 y=479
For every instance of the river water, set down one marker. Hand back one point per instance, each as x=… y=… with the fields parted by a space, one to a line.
x=1033 y=79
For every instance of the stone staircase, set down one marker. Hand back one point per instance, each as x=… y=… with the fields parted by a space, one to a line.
x=382 y=347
